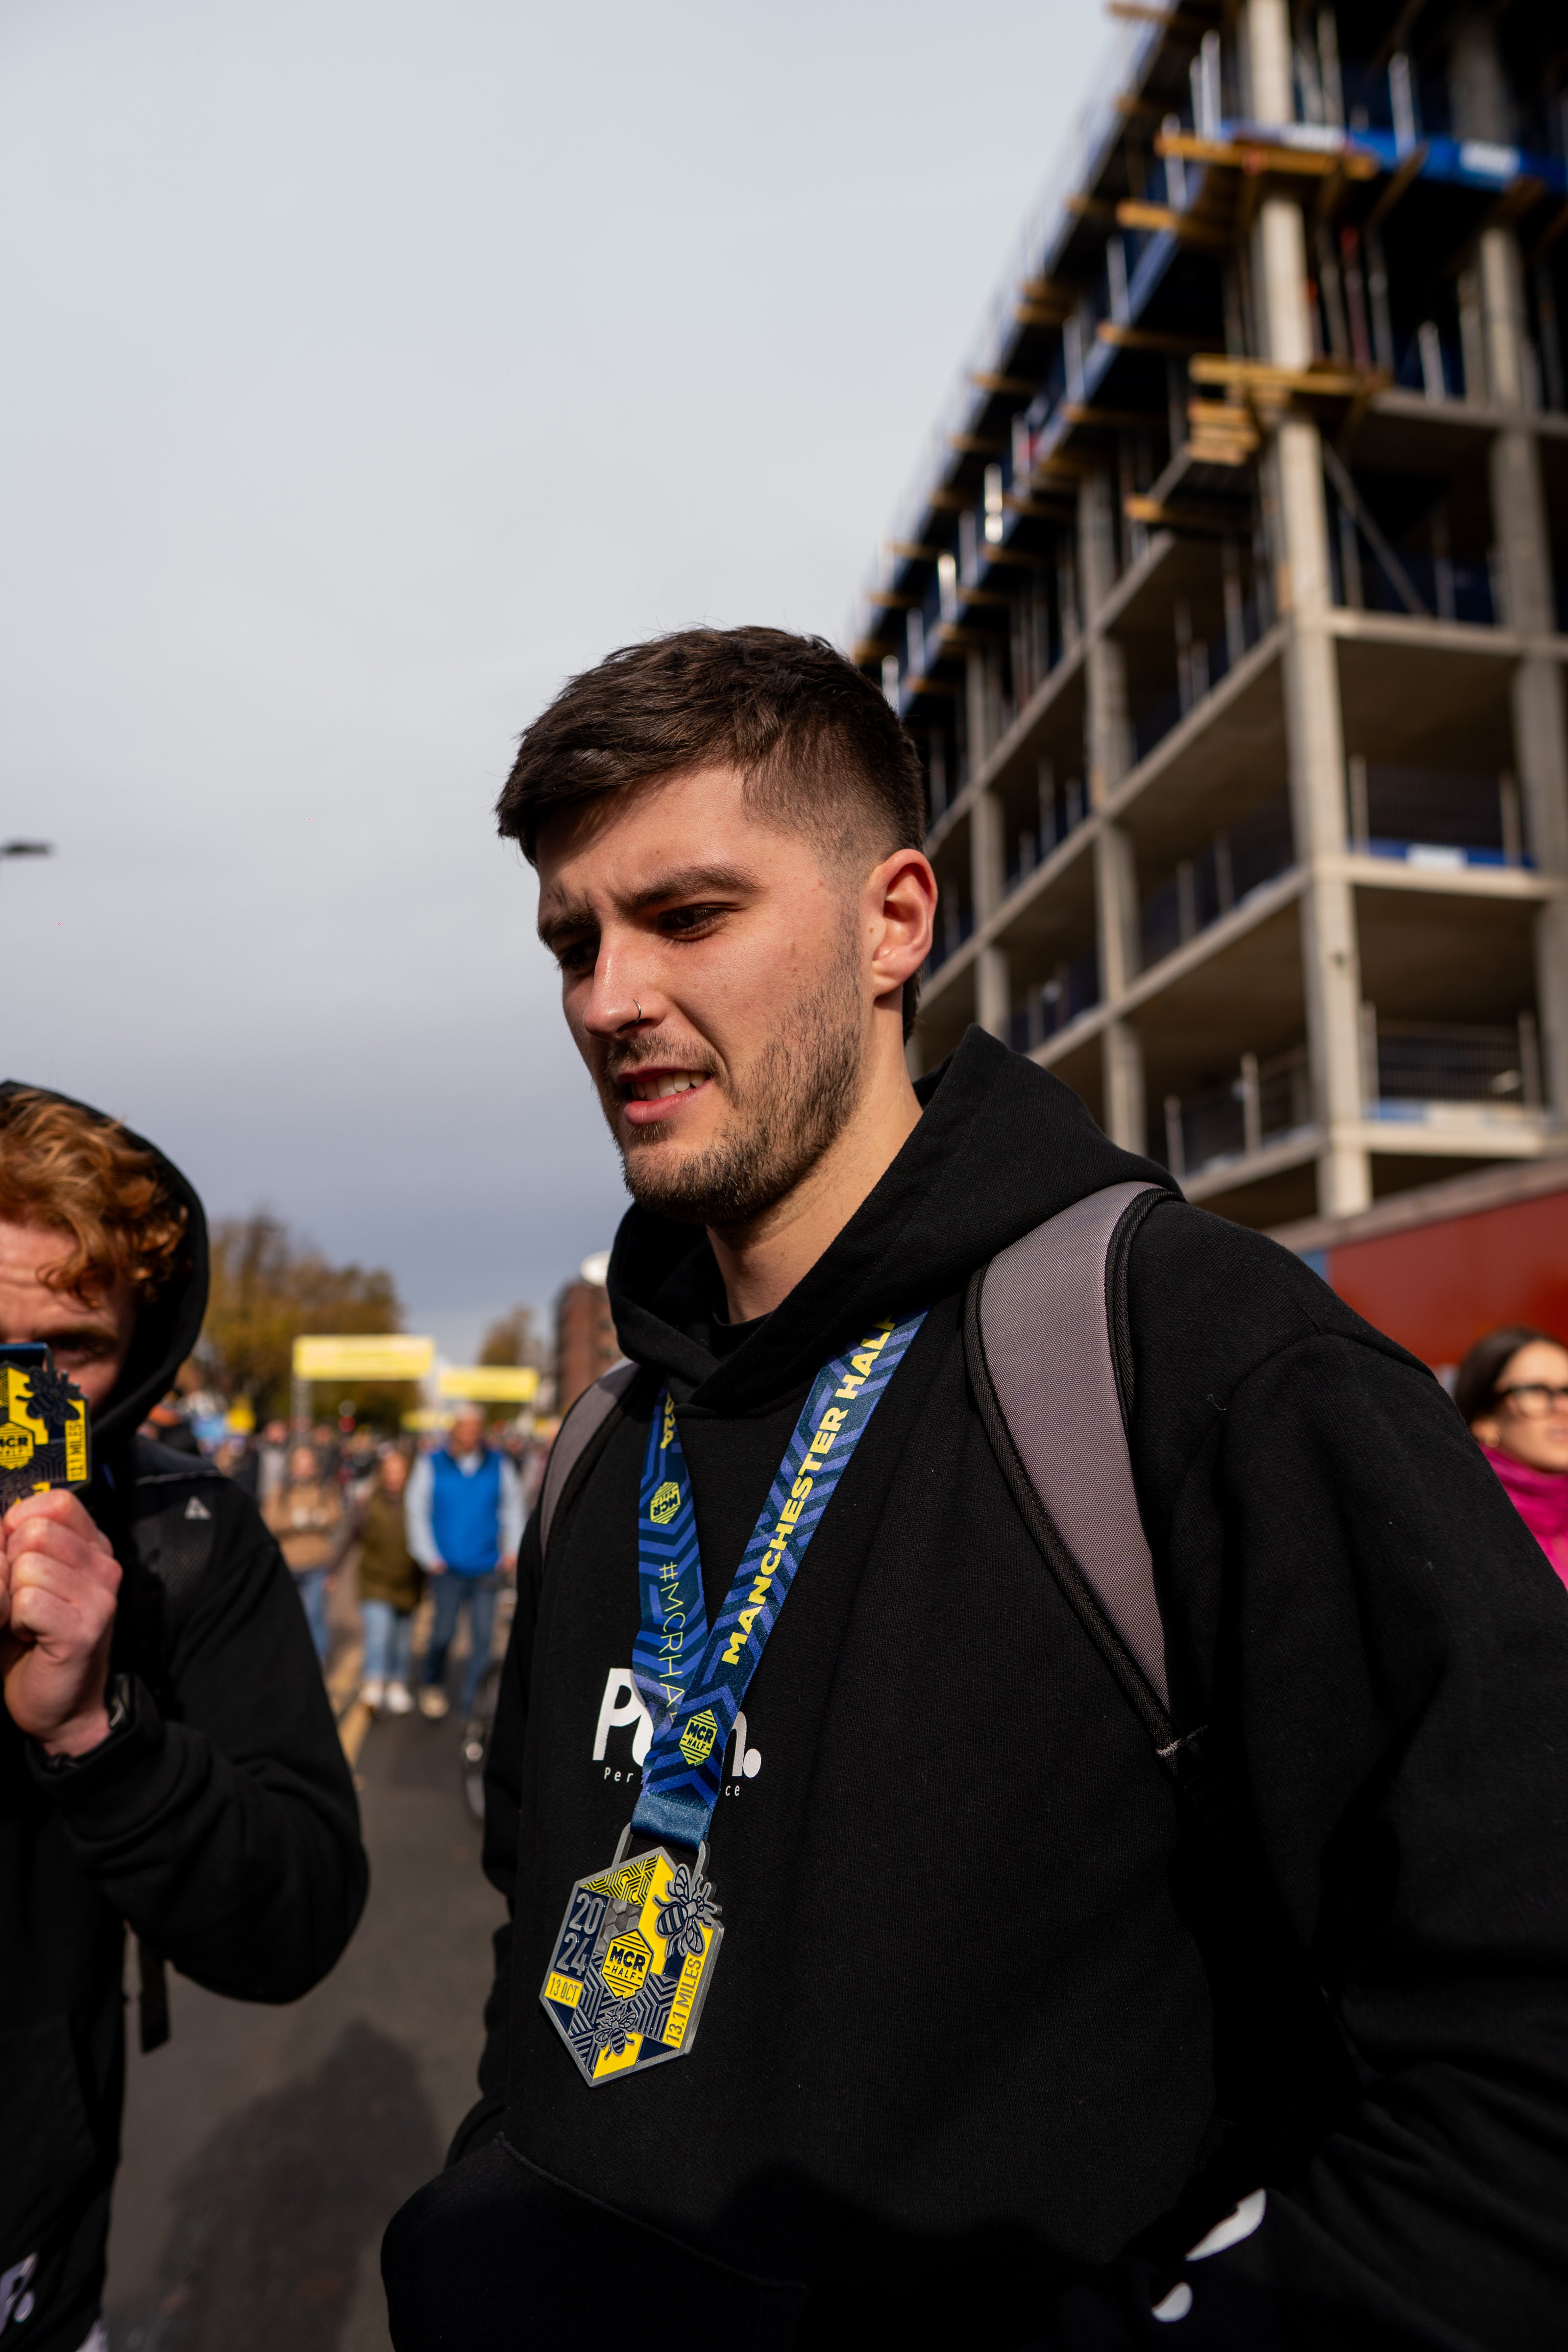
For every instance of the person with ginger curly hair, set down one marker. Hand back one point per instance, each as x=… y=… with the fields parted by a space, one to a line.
x=168 y=1759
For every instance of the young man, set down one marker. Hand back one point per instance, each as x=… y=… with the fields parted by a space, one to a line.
x=168 y=1760
x=465 y=1516
x=1010 y=2039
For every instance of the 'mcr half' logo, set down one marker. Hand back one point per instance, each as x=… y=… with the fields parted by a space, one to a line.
x=624 y=1966
x=665 y=1503
x=697 y=1739
x=17 y=1446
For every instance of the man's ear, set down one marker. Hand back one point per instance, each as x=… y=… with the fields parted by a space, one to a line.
x=901 y=908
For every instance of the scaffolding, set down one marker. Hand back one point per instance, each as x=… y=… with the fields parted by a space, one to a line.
x=1231 y=611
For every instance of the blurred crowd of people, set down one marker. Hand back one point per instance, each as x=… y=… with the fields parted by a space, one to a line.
x=440 y=1515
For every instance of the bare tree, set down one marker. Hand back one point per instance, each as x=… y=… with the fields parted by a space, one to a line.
x=512 y=1339
x=268 y=1287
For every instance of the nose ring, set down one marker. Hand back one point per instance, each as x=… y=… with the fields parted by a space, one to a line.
x=639 y=1008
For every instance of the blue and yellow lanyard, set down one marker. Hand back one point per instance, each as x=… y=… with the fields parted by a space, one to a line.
x=693 y=1682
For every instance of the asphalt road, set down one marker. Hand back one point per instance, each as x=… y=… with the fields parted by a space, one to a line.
x=265 y=2148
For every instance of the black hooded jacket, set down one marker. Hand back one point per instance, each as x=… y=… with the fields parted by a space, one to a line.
x=218 y=1821
x=996 y=2036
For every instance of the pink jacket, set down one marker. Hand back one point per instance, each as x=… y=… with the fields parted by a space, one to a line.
x=1540 y=1499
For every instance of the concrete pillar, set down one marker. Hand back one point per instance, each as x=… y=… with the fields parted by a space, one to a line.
x=1330 y=959
x=1472 y=336
x=987 y=856
x=1280 y=282
x=1303 y=593
x=1520 y=544
x=1108 y=753
x=1541 y=751
x=1478 y=86
x=992 y=1002
x=1096 y=543
x=1121 y=1051
x=1265 y=42
x=1116 y=911
x=983 y=707
x=1542 y=761
x=1523 y=567
x=1108 y=730
x=993 y=992
x=1121 y=1070
x=976 y=731
x=1107 y=733
x=1501 y=285
x=1523 y=552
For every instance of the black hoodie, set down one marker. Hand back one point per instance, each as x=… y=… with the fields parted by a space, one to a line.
x=993 y=2041
x=218 y=1821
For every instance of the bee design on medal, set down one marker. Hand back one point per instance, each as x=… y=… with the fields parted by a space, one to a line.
x=686 y=1909
x=613 y=2027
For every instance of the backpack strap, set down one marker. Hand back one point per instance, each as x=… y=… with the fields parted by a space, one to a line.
x=1049 y=1357
x=591 y=1414
x=1054 y=1390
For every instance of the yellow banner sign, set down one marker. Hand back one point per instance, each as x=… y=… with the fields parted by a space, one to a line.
x=489 y=1384
x=363 y=1356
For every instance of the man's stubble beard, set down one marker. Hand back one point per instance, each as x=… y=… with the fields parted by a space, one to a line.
x=795 y=1102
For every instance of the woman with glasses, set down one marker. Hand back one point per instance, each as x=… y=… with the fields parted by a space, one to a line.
x=1512 y=1390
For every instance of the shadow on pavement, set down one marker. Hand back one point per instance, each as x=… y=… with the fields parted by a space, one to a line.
x=273 y=2215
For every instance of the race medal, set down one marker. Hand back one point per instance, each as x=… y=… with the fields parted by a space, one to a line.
x=43 y=1425
x=632 y=1964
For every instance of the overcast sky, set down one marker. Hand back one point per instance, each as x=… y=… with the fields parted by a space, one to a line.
x=371 y=365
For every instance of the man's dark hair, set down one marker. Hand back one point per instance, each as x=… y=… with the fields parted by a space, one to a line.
x=1475 y=1391
x=816 y=742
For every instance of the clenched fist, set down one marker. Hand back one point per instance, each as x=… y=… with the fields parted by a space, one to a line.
x=60 y=1582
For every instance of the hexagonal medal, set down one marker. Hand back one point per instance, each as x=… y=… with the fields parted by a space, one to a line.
x=631 y=1965
x=43 y=1425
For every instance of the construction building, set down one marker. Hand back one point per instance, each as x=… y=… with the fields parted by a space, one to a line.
x=1231 y=613
x=586 y=1342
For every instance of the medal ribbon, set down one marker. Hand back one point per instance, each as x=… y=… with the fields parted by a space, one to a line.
x=693 y=1682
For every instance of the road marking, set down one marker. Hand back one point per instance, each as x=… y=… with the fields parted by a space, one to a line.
x=344 y=1678
x=343 y=1686
x=352 y=1728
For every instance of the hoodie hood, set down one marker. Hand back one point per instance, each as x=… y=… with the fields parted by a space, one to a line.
x=168 y=1329
x=1001 y=1146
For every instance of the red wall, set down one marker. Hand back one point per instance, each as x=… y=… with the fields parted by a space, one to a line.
x=1437 y=1288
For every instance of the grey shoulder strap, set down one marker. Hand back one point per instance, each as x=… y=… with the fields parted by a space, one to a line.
x=1040 y=1345
x=572 y=1439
